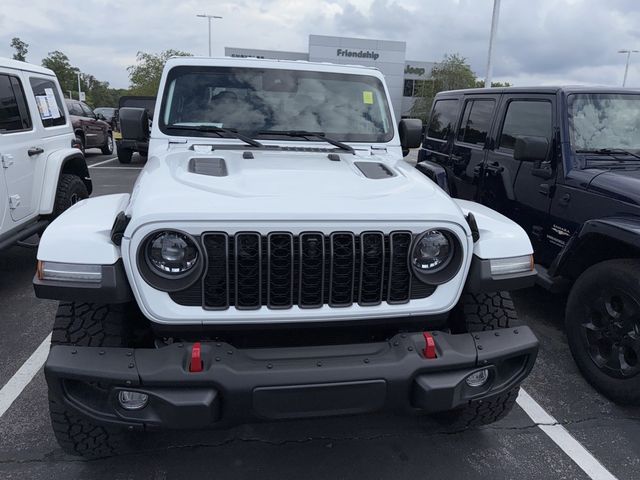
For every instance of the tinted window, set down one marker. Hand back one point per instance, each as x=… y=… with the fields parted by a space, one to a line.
x=443 y=119
x=476 y=121
x=14 y=115
x=87 y=111
x=48 y=102
x=526 y=118
x=408 y=88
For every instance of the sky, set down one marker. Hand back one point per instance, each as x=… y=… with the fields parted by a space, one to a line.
x=539 y=42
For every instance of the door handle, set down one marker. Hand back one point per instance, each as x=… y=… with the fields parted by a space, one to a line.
x=35 y=151
x=494 y=168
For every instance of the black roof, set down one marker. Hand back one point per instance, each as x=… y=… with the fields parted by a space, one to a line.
x=566 y=89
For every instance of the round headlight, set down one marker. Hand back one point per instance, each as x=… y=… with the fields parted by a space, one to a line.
x=172 y=253
x=432 y=252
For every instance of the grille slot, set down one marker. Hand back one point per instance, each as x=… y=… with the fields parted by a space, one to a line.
x=280 y=270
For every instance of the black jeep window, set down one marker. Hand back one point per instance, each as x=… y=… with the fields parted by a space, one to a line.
x=526 y=118
x=48 y=102
x=476 y=121
x=14 y=114
x=443 y=119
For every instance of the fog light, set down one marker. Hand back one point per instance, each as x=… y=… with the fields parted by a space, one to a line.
x=479 y=378
x=132 y=400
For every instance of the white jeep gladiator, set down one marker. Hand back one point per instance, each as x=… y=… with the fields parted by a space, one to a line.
x=278 y=259
x=41 y=173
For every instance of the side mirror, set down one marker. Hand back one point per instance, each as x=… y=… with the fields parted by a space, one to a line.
x=410 y=130
x=100 y=116
x=531 y=149
x=134 y=123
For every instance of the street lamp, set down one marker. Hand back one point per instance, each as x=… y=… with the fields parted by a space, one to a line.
x=494 y=27
x=208 y=17
x=626 y=67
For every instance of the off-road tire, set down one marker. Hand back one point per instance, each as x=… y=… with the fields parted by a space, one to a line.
x=93 y=325
x=621 y=276
x=480 y=312
x=71 y=189
x=77 y=435
x=107 y=148
x=124 y=155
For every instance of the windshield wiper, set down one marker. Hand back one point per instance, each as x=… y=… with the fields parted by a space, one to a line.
x=219 y=130
x=305 y=134
x=609 y=151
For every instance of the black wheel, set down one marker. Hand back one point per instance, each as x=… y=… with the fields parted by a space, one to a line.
x=479 y=312
x=80 y=140
x=71 y=189
x=93 y=325
x=124 y=155
x=107 y=148
x=602 y=320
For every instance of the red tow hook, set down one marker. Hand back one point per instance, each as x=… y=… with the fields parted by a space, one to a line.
x=429 y=346
x=195 y=365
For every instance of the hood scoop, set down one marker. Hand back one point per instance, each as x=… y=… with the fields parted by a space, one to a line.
x=374 y=170
x=213 y=167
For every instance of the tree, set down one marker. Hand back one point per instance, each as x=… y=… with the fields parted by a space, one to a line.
x=21 y=49
x=66 y=73
x=452 y=73
x=480 y=84
x=145 y=75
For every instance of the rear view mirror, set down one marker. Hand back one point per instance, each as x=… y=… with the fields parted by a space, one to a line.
x=531 y=149
x=410 y=130
x=134 y=123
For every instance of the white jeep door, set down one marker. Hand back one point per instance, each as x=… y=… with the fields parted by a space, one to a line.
x=18 y=136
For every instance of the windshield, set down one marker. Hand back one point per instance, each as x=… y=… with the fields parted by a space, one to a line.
x=254 y=101
x=604 y=121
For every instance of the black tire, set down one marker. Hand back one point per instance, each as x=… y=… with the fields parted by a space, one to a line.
x=479 y=312
x=107 y=148
x=71 y=189
x=95 y=325
x=602 y=321
x=124 y=155
x=80 y=140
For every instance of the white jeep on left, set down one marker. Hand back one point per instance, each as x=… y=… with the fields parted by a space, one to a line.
x=42 y=172
x=278 y=259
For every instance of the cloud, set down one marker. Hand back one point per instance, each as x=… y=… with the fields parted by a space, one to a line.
x=546 y=41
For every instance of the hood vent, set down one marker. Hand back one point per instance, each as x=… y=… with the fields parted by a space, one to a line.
x=214 y=167
x=374 y=170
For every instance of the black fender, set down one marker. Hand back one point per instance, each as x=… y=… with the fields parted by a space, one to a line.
x=77 y=165
x=598 y=240
x=435 y=172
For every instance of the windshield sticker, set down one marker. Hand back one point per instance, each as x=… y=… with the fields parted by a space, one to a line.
x=53 y=104
x=367 y=97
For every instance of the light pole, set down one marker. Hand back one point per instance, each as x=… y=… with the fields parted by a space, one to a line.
x=208 y=17
x=626 y=67
x=494 y=27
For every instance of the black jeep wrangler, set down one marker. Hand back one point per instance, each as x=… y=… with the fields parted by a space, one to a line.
x=565 y=164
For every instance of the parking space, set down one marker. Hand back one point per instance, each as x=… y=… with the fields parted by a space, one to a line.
x=379 y=446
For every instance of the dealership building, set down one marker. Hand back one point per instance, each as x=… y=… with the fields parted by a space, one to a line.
x=404 y=77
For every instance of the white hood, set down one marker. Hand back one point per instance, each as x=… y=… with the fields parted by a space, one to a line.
x=285 y=185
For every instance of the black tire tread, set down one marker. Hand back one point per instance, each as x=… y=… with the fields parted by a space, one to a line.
x=79 y=436
x=483 y=412
x=66 y=185
x=125 y=155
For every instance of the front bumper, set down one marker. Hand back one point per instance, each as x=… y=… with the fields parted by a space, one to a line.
x=240 y=386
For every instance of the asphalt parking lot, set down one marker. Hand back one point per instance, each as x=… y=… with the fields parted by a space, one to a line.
x=603 y=439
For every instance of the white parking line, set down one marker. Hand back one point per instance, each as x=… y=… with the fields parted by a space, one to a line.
x=561 y=437
x=103 y=162
x=16 y=384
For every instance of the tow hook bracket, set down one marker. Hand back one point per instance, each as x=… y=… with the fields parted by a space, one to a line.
x=195 y=365
x=429 y=351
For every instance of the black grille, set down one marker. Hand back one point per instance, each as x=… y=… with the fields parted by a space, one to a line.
x=279 y=270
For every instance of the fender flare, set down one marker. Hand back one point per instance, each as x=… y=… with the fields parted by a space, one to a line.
x=67 y=160
x=624 y=230
x=435 y=172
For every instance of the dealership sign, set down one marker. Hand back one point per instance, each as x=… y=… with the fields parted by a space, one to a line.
x=414 y=70
x=357 y=54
